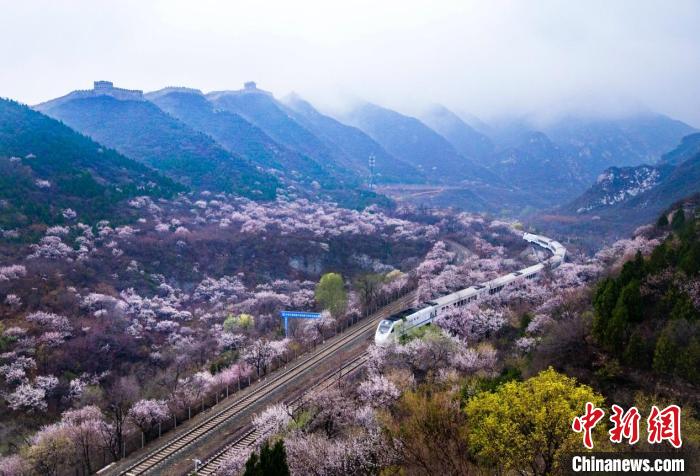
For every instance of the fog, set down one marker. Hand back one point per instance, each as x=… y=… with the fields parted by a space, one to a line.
x=487 y=58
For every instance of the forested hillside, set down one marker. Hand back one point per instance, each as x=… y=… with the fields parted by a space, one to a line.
x=648 y=316
x=50 y=174
x=143 y=132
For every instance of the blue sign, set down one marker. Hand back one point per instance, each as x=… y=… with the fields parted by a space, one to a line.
x=297 y=315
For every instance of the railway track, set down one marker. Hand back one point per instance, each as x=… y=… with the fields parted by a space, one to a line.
x=259 y=391
x=247 y=440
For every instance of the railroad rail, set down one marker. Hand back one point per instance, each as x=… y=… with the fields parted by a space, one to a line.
x=261 y=390
x=250 y=436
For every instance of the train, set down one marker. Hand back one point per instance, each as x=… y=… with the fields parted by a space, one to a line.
x=390 y=329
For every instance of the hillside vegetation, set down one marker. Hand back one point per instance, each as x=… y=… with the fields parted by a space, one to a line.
x=47 y=169
x=648 y=315
x=143 y=132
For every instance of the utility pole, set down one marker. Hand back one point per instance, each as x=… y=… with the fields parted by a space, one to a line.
x=372 y=163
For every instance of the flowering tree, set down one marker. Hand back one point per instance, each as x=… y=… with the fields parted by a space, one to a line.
x=51 y=247
x=313 y=330
x=191 y=390
x=230 y=377
x=233 y=464
x=78 y=437
x=50 y=321
x=230 y=341
x=15 y=372
x=147 y=414
x=272 y=420
x=12 y=465
x=378 y=391
x=625 y=249
x=51 y=450
x=471 y=360
x=538 y=324
x=331 y=411
x=14 y=271
x=507 y=427
x=13 y=301
x=434 y=263
x=364 y=452
x=261 y=353
x=87 y=431
x=27 y=397
x=471 y=323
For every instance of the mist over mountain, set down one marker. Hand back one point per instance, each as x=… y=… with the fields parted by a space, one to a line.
x=689 y=147
x=356 y=146
x=228 y=129
x=236 y=134
x=617 y=185
x=142 y=131
x=263 y=110
x=625 y=197
x=600 y=143
x=557 y=160
x=249 y=142
x=540 y=165
x=465 y=138
x=412 y=141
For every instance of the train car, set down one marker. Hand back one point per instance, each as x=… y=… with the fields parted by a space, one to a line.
x=557 y=249
x=391 y=328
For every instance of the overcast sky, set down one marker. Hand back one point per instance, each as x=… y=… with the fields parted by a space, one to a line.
x=486 y=58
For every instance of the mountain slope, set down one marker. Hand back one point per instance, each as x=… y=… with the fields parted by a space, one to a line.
x=47 y=168
x=468 y=142
x=617 y=185
x=624 y=198
x=355 y=145
x=539 y=166
x=308 y=175
x=597 y=144
x=142 y=131
x=688 y=148
x=236 y=134
x=683 y=181
x=261 y=109
x=410 y=140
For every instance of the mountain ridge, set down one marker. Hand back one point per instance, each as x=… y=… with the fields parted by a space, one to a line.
x=48 y=168
x=412 y=141
x=142 y=131
x=357 y=146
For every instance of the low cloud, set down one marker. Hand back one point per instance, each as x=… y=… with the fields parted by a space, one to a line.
x=486 y=58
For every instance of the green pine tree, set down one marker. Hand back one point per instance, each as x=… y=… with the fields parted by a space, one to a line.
x=271 y=462
x=689 y=361
x=604 y=302
x=666 y=351
x=678 y=219
x=638 y=353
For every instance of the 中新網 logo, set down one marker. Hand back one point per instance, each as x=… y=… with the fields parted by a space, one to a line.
x=662 y=425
